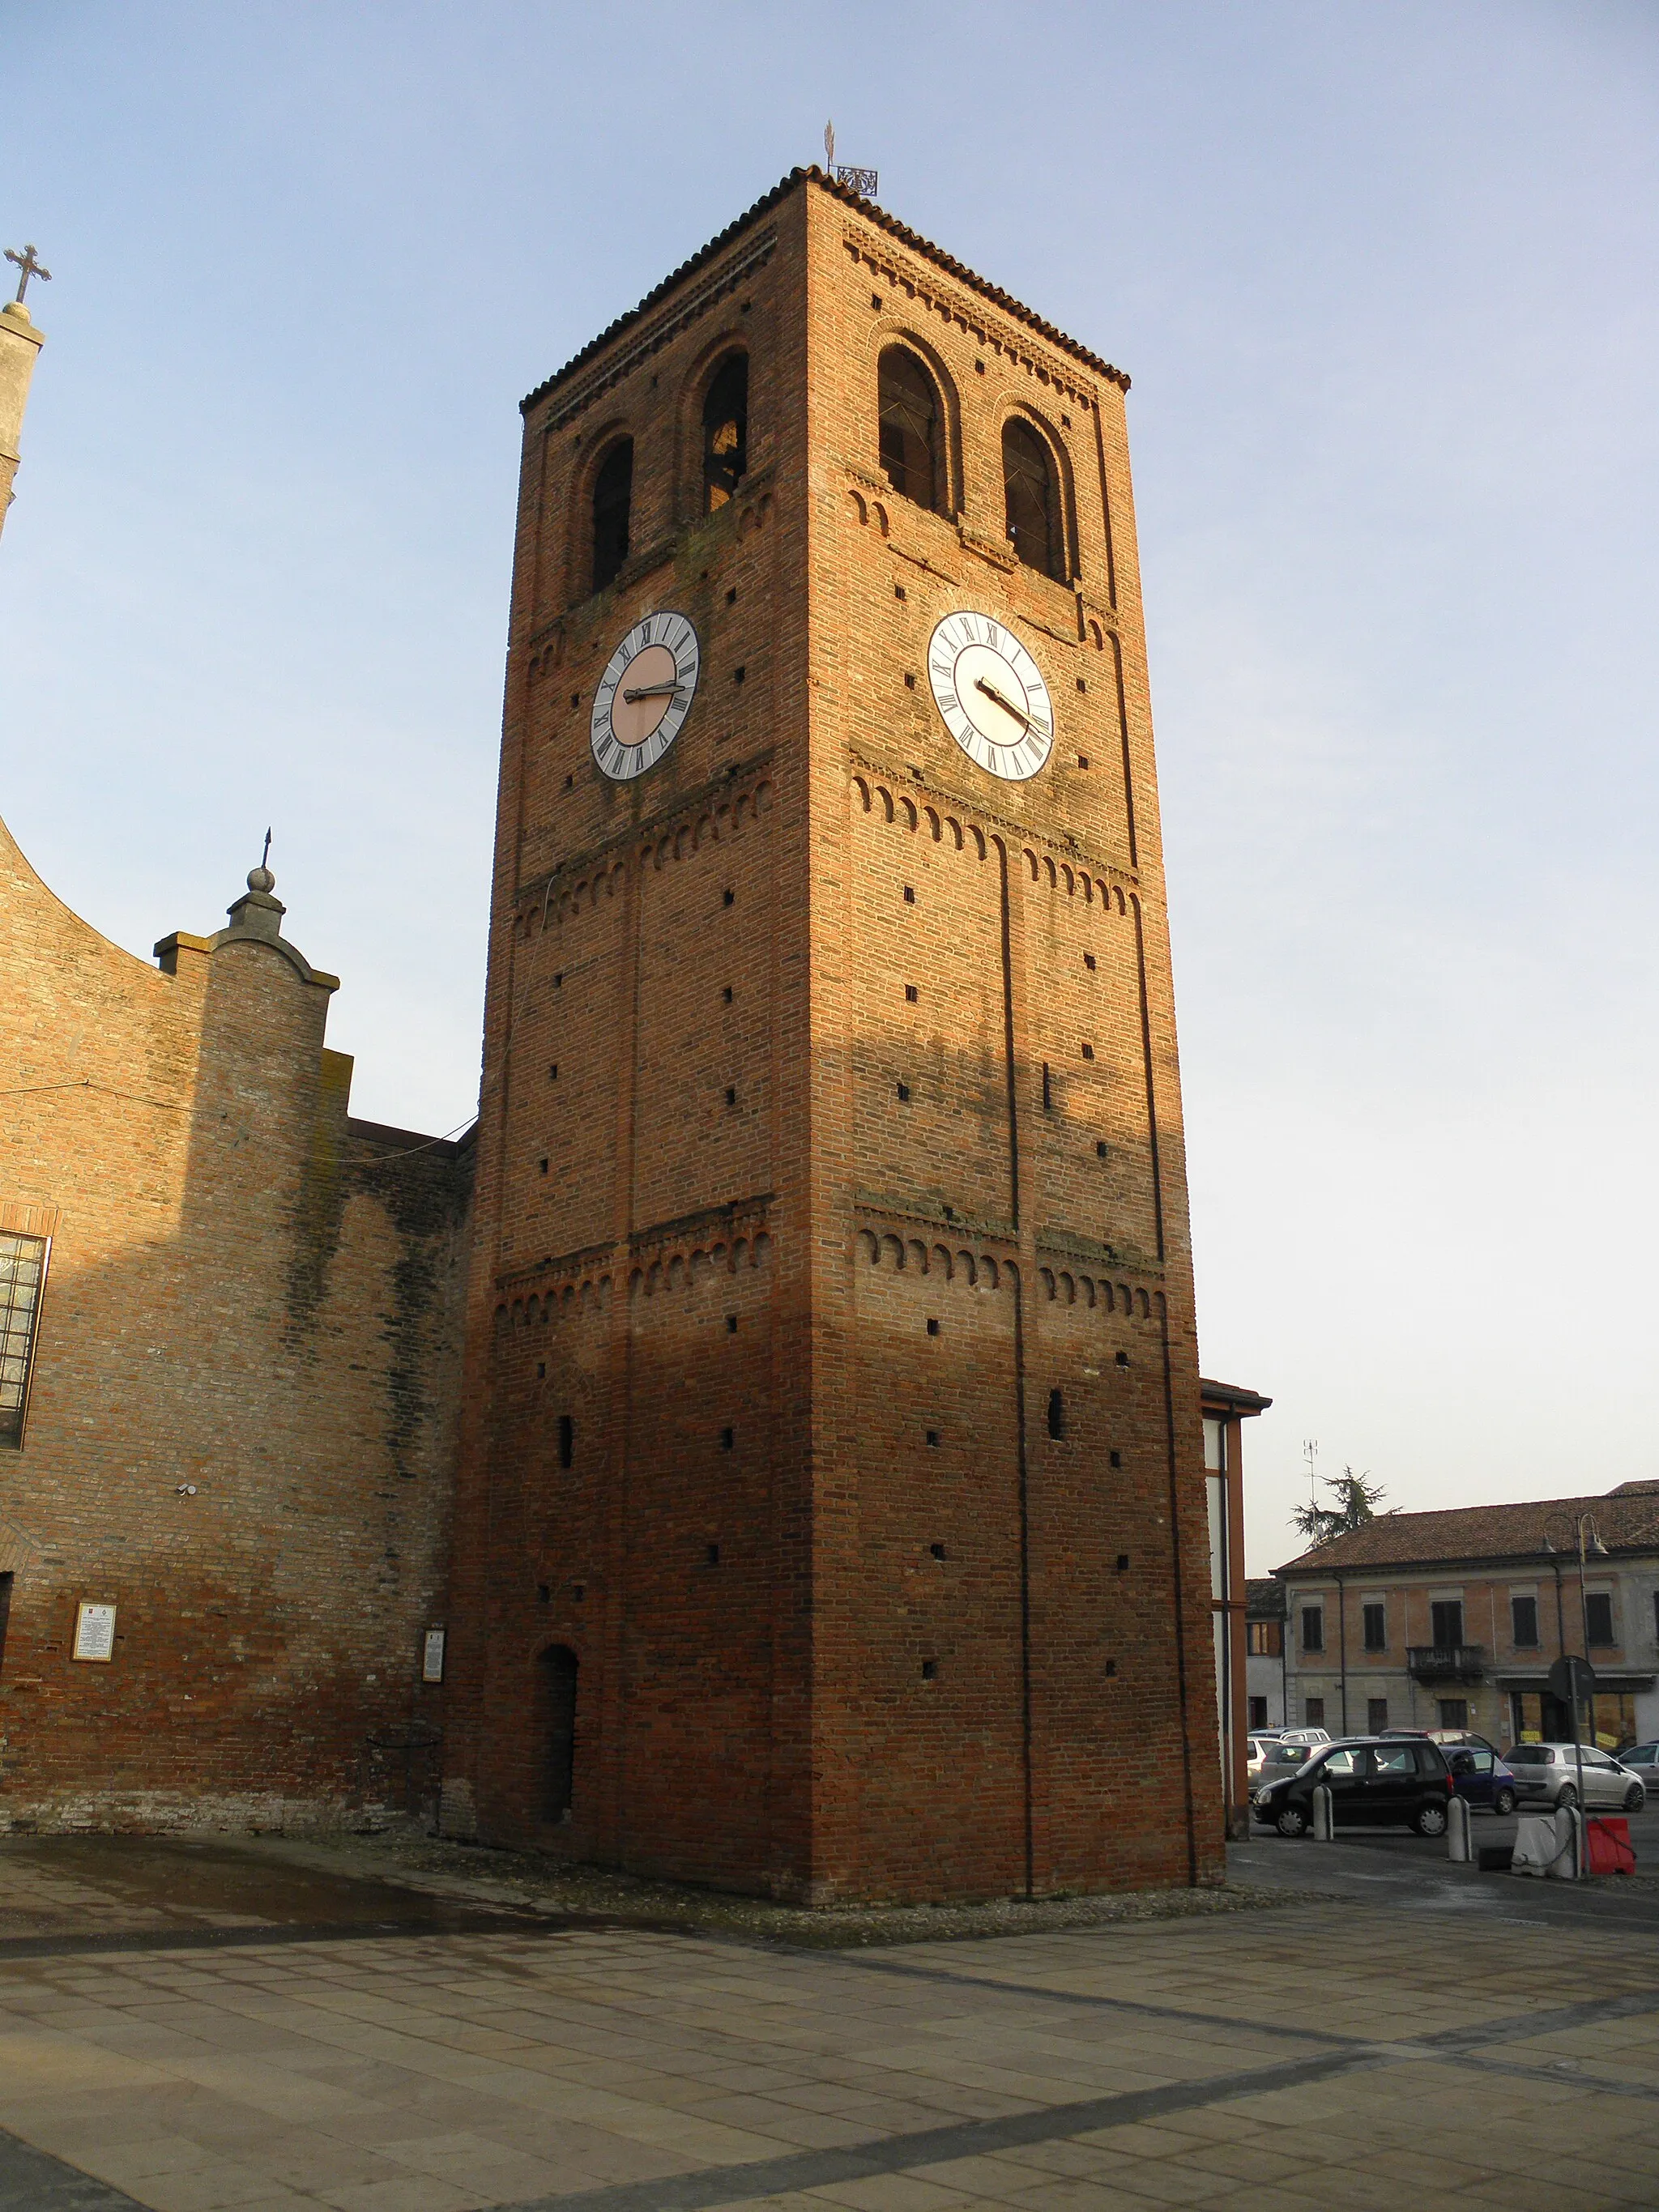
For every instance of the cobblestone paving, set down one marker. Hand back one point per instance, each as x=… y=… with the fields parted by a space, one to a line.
x=1315 y=2055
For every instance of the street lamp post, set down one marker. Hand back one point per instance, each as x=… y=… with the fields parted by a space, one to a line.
x=1579 y=1524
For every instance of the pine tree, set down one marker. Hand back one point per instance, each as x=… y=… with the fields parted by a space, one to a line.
x=1356 y=1502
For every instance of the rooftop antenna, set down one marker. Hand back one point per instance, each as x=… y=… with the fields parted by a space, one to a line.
x=864 y=182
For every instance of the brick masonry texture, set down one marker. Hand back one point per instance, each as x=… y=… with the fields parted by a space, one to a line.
x=848 y=1618
x=242 y=1427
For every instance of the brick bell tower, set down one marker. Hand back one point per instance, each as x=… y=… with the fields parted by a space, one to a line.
x=832 y=1518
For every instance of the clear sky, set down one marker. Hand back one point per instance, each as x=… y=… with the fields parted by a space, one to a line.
x=1384 y=278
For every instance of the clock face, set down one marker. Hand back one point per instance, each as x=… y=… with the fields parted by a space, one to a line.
x=645 y=695
x=992 y=695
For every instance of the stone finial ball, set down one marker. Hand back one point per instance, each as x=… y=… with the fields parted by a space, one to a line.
x=261 y=879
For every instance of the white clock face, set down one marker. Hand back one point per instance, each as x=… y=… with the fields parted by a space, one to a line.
x=645 y=695
x=992 y=695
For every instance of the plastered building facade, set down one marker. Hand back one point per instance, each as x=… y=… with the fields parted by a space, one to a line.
x=832 y=1514
x=227 y=1412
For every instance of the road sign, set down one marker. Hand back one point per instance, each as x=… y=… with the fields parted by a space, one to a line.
x=1572 y=1680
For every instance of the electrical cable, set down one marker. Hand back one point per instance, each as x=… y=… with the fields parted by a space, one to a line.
x=172 y=1106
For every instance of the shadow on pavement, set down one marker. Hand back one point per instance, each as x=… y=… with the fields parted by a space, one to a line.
x=64 y=1893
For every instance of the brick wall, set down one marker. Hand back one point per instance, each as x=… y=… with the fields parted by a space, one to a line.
x=937 y=1650
x=242 y=1423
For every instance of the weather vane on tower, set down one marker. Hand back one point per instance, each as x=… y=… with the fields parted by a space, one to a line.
x=861 y=181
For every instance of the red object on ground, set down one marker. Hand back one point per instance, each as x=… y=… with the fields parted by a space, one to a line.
x=1608 y=1848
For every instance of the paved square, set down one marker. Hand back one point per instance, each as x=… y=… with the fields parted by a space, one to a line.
x=1321 y=2053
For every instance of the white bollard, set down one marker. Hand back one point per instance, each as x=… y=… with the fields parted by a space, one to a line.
x=1324 y=1826
x=1457 y=1833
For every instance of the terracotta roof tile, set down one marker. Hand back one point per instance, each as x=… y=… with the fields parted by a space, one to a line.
x=872 y=213
x=1627 y=1518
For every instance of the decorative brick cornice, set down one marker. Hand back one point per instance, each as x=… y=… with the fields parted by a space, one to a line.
x=919 y=281
x=738 y=1230
x=870 y=214
x=743 y=782
x=937 y=806
x=654 y=334
x=939 y=1220
x=952 y=1249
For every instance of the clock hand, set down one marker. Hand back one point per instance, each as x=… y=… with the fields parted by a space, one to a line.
x=991 y=692
x=654 y=691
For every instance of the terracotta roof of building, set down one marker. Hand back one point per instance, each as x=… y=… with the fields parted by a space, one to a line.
x=1264 y=1598
x=871 y=213
x=1627 y=1519
x=1241 y=1400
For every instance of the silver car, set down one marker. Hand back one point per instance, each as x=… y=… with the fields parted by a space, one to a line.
x=1547 y=1774
x=1270 y=1757
x=1642 y=1760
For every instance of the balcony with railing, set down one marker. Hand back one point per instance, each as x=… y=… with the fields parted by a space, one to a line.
x=1446 y=1663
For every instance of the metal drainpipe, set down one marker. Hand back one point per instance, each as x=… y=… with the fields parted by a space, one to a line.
x=1342 y=1647
x=1560 y=1637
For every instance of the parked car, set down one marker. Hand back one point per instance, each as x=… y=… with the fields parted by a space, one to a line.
x=1481 y=1778
x=1374 y=1781
x=1446 y=1737
x=1547 y=1774
x=1642 y=1760
x=1270 y=1757
x=1304 y=1735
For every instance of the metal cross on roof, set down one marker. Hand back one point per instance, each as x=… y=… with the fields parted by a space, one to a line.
x=29 y=266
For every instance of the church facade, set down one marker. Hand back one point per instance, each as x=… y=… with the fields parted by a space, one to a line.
x=229 y=1352
x=831 y=1516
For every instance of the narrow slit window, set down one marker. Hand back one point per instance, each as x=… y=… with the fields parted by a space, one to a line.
x=1032 y=500
x=613 y=496
x=567 y=1440
x=911 y=427
x=557 y=1675
x=22 y=1275
x=725 y=432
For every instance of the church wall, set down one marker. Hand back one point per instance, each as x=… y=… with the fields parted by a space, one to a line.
x=242 y=1427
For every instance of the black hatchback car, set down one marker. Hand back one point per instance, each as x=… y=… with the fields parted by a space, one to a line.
x=1374 y=1781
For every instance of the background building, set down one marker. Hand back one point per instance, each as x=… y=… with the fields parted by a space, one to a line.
x=831 y=1516
x=1265 y=1665
x=1452 y=1620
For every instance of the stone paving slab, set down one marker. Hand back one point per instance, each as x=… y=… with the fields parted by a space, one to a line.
x=1321 y=2054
